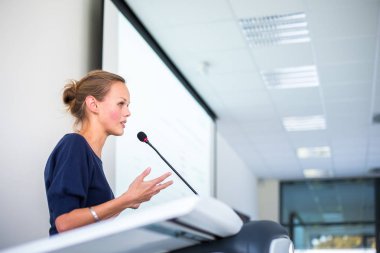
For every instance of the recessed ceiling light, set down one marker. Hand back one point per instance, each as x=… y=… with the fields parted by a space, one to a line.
x=315 y=173
x=306 y=123
x=313 y=152
x=276 y=29
x=285 y=78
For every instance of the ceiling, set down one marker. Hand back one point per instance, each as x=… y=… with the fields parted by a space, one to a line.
x=205 y=40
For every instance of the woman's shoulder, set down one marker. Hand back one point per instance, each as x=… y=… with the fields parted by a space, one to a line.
x=73 y=137
x=72 y=140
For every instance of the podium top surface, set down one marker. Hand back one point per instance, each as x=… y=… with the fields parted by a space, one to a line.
x=160 y=228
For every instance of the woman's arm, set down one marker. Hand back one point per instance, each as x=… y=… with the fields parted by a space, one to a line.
x=139 y=191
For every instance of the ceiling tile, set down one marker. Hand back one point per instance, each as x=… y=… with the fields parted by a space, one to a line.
x=257 y=8
x=345 y=72
x=290 y=110
x=316 y=138
x=201 y=37
x=350 y=142
x=332 y=4
x=263 y=128
x=244 y=99
x=300 y=96
x=272 y=139
x=343 y=162
x=336 y=122
x=217 y=63
x=344 y=22
x=283 y=56
x=345 y=50
x=347 y=92
x=349 y=151
x=271 y=150
x=316 y=163
x=281 y=164
x=251 y=114
x=248 y=150
x=348 y=132
x=175 y=13
x=232 y=82
x=354 y=108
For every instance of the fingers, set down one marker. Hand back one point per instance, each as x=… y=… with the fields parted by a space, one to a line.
x=161 y=178
x=160 y=187
x=164 y=185
x=145 y=173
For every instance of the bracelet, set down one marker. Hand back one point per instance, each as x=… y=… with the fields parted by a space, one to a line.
x=92 y=211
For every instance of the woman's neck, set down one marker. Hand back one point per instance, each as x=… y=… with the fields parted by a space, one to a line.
x=95 y=138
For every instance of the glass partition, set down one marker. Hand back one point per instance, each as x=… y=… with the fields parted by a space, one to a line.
x=330 y=215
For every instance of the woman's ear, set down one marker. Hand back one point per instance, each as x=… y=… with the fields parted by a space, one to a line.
x=92 y=104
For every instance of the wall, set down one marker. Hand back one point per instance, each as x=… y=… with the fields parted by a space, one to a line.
x=43 y=43
x=236 y=185
x=269 y=200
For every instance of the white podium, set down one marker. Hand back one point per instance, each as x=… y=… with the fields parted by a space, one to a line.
x=163 y=228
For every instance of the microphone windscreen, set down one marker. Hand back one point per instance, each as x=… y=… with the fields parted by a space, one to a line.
x=142 y=136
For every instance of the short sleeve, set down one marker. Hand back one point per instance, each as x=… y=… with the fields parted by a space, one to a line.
x=69 y=177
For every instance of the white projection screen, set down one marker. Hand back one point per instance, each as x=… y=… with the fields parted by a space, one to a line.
x=176 y=124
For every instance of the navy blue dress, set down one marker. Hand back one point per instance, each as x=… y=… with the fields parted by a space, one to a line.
x=74 y=178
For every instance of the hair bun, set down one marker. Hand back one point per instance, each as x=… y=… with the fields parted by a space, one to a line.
x=69 y=93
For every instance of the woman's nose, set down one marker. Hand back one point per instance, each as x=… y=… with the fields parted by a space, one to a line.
x=127 y=112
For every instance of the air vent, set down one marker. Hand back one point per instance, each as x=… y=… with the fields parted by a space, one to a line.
x=288 y=78
x=277 y=29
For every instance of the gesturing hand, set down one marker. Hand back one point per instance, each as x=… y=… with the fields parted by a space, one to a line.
x=140 y=191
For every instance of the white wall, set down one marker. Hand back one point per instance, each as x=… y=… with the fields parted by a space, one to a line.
x=269 y=200
x=43 y=43
x=236 y=184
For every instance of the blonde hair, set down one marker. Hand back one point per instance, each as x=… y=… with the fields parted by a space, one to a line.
x=96 y=83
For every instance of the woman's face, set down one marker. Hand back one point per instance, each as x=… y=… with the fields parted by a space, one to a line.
x=113 y=110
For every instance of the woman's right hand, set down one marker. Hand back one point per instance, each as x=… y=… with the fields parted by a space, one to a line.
x=140 y=191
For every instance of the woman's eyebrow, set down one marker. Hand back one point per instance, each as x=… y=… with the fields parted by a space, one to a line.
x=126 y=100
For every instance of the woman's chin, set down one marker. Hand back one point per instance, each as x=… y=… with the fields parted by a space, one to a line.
x=118 y=132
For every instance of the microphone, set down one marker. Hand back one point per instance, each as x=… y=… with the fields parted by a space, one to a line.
x=143 y=138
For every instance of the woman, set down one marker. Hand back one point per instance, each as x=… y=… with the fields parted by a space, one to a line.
x=77 y=190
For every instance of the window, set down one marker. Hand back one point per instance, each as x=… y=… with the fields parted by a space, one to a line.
x=330 y=215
